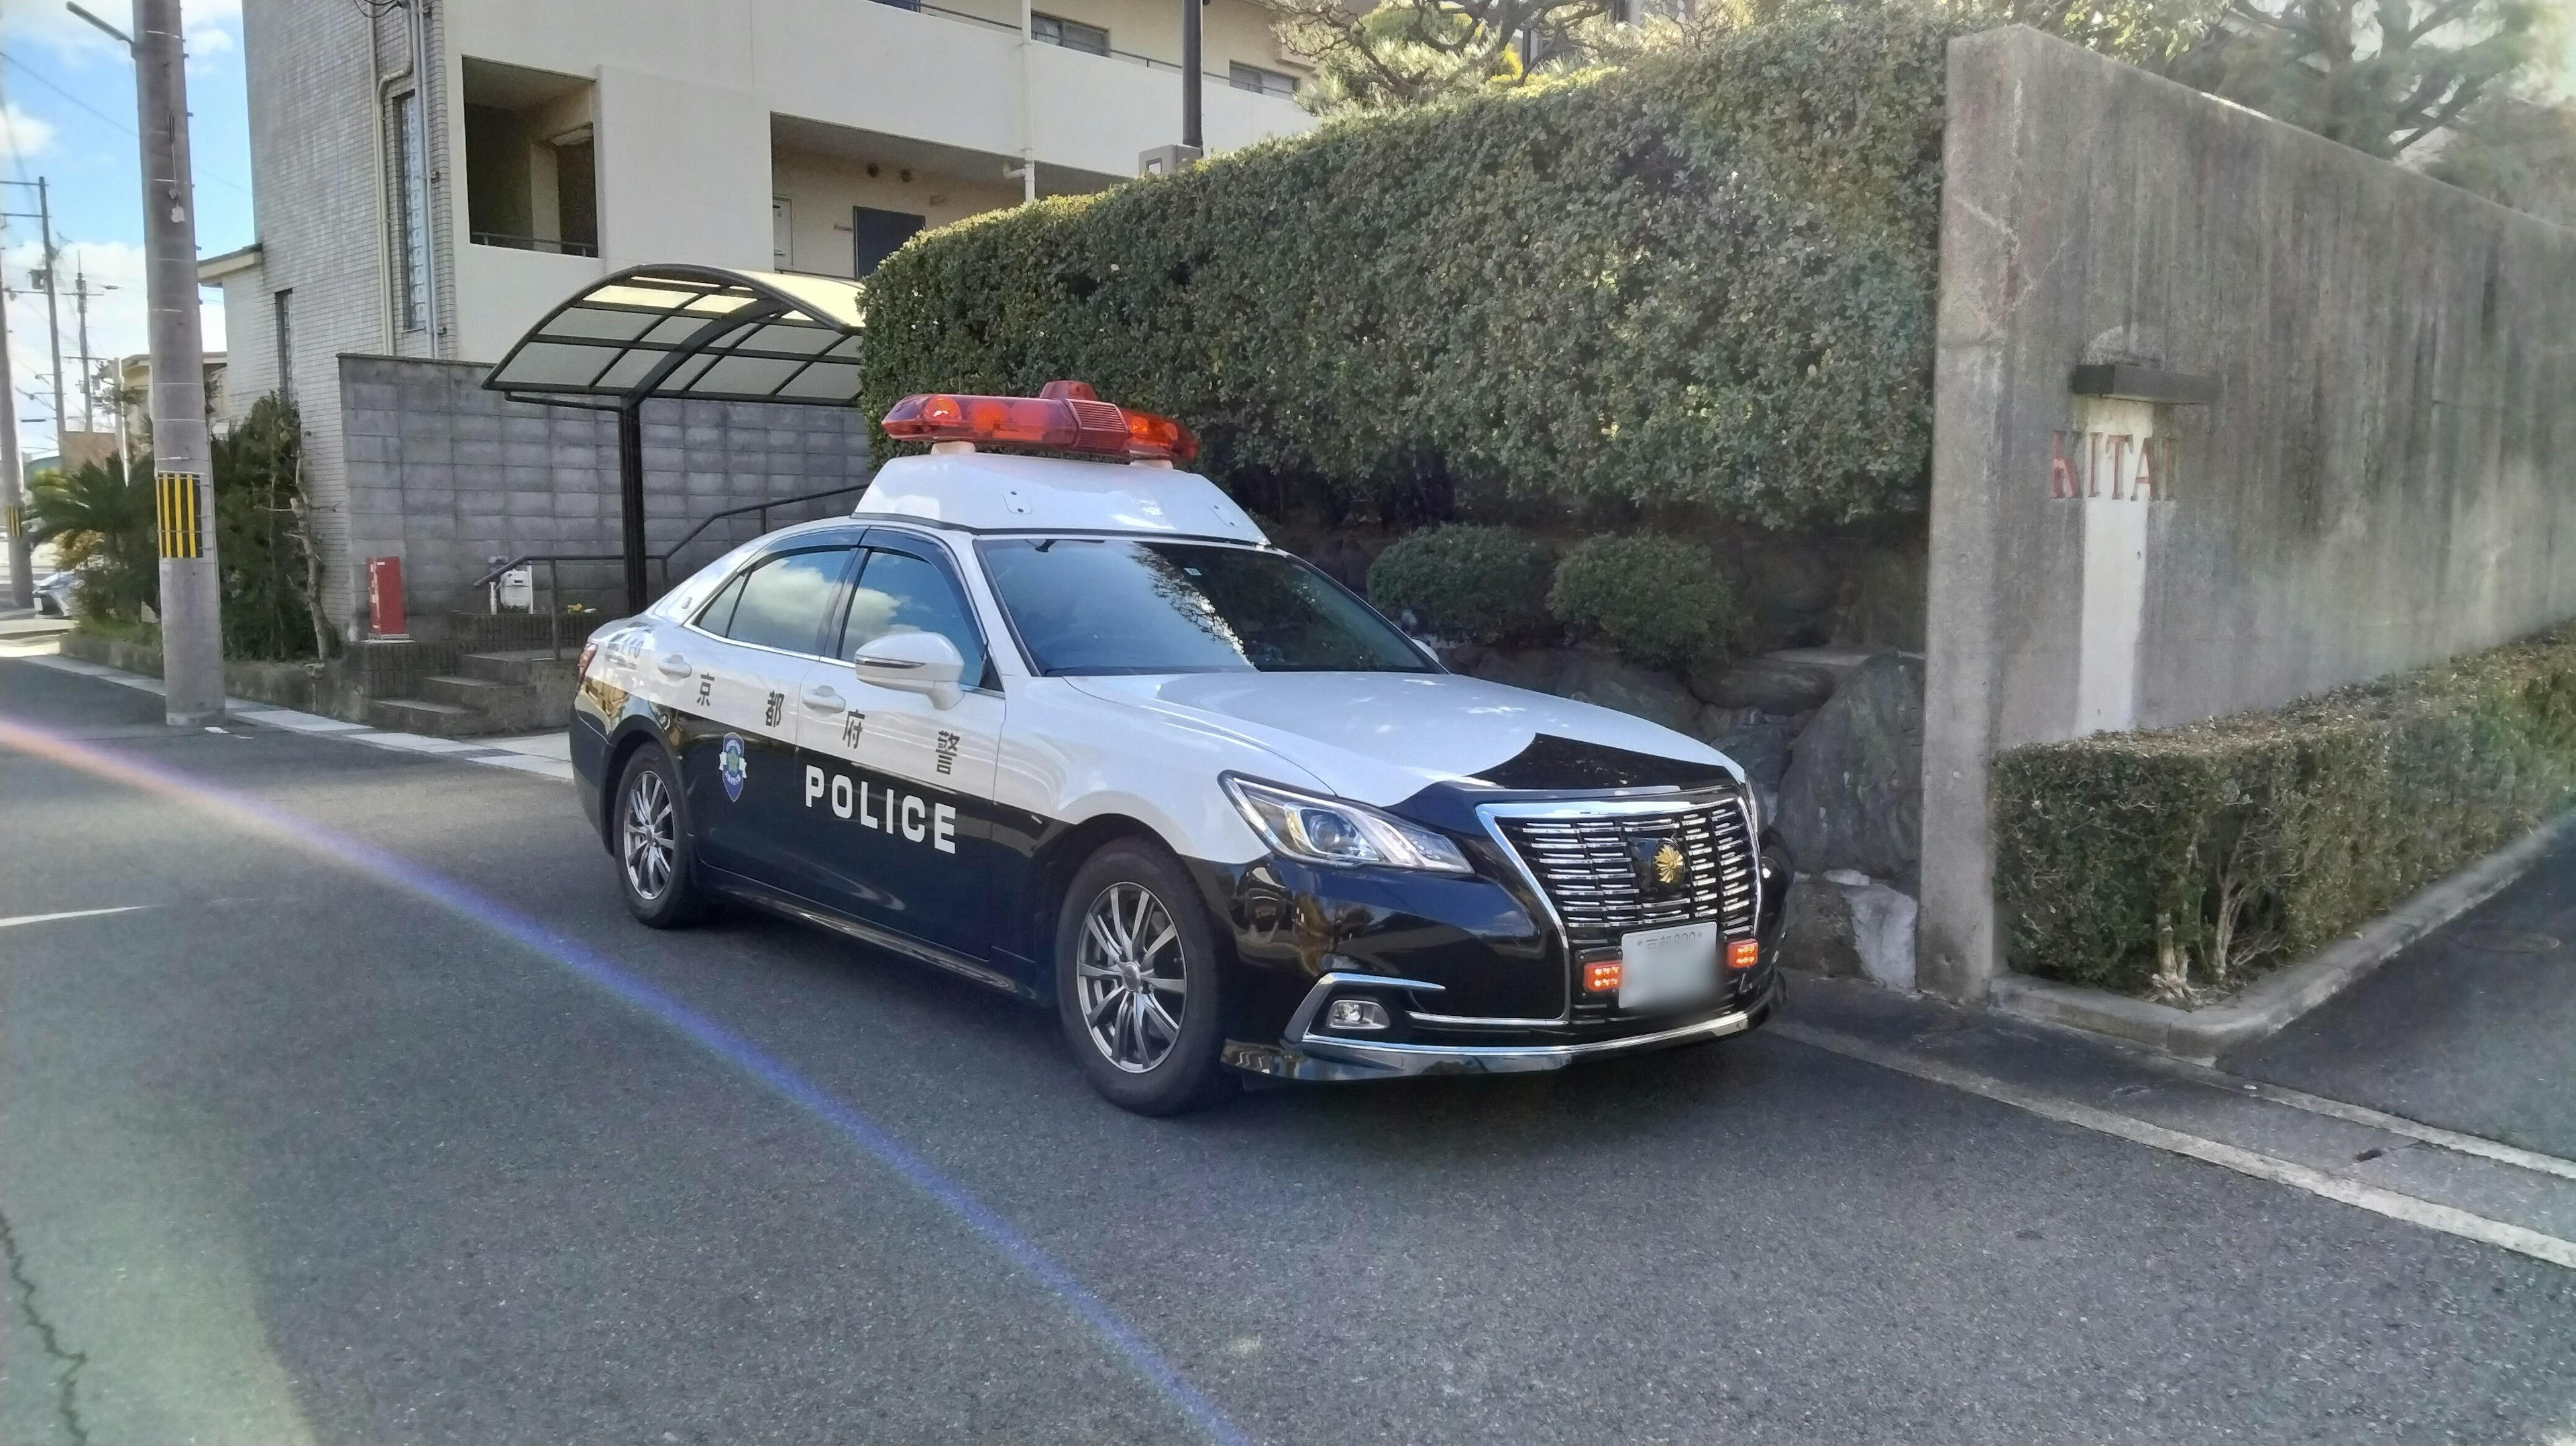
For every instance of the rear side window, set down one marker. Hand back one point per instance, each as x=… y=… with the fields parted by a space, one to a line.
x=900 y=593
x=782 y=602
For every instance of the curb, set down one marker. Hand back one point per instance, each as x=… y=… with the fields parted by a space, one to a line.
x=2201 y=1035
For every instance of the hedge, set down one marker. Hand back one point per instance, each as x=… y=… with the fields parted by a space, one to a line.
x=2135 y=861
x=1661 y=602
x=1706 y=279
x=1477 y=584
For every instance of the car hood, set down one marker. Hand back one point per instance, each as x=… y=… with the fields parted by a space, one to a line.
x=1383 y=737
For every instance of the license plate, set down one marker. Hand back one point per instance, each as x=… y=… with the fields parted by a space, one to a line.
x=1661 y=968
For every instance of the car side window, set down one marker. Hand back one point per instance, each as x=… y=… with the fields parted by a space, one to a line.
x=900 y=593
x=717 y=615
x=782 y=602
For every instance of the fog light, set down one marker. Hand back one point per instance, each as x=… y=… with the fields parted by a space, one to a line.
x=1601 y=978
x=1357 y=1014
x=1743 y=953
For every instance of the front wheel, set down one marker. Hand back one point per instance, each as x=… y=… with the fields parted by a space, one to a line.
x=1137 y=983
x=654 y=853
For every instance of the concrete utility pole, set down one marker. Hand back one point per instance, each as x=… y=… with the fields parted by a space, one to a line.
x=13 y=511
x=192 y=639
x=53 y=310
x=89 y=383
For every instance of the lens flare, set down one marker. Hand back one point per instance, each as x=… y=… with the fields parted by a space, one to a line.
x=336 y=848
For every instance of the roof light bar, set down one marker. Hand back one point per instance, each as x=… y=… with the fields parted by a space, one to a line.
x=1062 y=417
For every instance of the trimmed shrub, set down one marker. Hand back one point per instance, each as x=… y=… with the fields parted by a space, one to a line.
x=1707 y=280
x=1659 y=601
x=1478 y=584
x=2173 y=862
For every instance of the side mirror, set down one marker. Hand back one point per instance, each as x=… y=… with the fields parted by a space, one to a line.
x=923 y=663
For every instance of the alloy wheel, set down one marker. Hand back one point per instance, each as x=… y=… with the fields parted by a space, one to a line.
x=652 y=831
x=1130 y=958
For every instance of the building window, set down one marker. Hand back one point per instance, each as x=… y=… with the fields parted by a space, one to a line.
x=1266 y=82
x=408 y=212
x=1071 y=34
x=285 y=346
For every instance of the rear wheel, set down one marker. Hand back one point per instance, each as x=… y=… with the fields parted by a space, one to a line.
x=654 y=857
x=1137 y=983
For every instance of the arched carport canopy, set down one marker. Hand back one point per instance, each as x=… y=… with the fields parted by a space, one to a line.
x=686 y=332
x=694 y=331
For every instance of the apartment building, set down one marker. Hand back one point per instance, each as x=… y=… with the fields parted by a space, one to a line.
x=430 y=178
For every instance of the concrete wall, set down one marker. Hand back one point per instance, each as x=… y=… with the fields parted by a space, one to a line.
x=448 y=476
x=2383 y=478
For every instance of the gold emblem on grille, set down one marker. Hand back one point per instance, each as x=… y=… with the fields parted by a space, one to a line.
x=1669 y=864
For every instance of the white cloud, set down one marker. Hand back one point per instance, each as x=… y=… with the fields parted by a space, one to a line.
x=23 y=135
x=47 y=22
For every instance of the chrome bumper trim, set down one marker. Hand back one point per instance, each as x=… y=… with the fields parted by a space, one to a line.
x=1320 y=1057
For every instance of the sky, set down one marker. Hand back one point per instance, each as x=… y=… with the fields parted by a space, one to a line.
x=67 y=114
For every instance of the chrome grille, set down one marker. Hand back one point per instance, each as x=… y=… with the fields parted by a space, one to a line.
x=1586 y=864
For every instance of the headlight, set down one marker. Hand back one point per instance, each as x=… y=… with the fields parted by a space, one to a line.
x=1337 y=832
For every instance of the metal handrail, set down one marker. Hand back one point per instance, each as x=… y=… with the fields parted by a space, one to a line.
x=554 y=560
x=760 y=507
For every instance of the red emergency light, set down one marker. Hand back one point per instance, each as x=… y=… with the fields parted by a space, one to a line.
x=1062 y=417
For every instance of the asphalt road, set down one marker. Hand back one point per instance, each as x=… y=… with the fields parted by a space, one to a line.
x=2472 y=1027
x=378 y=1121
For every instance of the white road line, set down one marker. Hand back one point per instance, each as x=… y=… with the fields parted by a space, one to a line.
x=522 y=763
x=423 y=743
x=70 y=914
x=2451 y=1140
x=2425 y=1213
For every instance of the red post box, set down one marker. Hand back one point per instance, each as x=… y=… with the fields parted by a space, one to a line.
x=385 y=598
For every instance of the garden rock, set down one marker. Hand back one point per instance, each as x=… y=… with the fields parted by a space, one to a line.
x=1772 y=684
x=1852 y=797
x=1847 y=925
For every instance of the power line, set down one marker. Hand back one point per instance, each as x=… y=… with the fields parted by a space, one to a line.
x=40 y=78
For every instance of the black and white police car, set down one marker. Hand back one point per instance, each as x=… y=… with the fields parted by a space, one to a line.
x=1076 y=729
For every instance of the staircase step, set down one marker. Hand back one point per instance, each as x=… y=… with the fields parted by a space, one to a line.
x=534 y=667
x=480 y=694
x=437 y=720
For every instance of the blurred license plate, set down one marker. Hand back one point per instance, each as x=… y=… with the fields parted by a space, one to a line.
x=1659 y=968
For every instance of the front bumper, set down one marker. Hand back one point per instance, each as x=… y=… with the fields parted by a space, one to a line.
x=1306 y=1055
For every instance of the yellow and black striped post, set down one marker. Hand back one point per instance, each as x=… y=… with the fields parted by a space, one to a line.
x=13 y=521
x=183 y=532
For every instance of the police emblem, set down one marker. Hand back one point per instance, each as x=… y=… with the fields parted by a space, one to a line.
x=1661 y=866
x=732 y=767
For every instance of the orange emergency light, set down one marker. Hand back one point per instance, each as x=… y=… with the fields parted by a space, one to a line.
x=1062 y=417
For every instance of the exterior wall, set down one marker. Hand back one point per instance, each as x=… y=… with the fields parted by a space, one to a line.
x=2386 y=476
x=821 y=189
x=449 y=477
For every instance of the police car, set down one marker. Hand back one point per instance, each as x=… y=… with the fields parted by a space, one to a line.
x=1070 y=726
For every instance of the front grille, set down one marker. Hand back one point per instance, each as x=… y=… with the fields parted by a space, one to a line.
x=1589 y=866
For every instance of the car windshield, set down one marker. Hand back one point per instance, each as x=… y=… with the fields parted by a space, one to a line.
x=1121 y=605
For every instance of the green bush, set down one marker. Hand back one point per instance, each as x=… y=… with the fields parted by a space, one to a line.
x=2182 y=860
x=1706 y=279
x=102 y=521
x=1659 y=601
x=1479 y=584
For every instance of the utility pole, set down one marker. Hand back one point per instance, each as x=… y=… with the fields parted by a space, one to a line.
x=192 y=639
x=89 y=383
x=13 y=510
x=1190 y=78
x=53 y=310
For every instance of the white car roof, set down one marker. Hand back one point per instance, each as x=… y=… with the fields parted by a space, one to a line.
x=1000 y=492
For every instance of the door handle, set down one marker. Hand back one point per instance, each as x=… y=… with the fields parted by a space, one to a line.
x=824 y=698
x=672 y=665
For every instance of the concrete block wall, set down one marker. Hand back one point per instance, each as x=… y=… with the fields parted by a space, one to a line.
x=2384 y=475
x=448 y=476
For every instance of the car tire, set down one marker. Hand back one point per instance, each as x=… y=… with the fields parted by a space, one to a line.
x=1132 y=917
x=656 y=862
